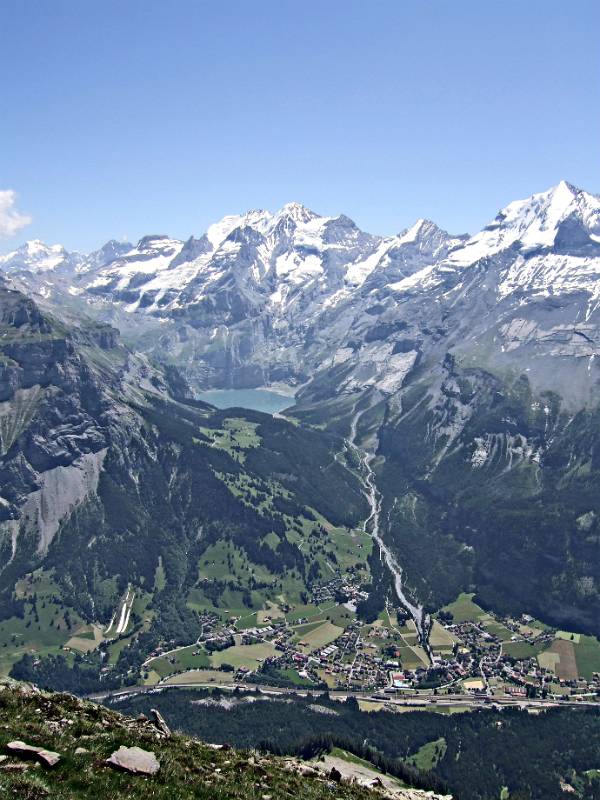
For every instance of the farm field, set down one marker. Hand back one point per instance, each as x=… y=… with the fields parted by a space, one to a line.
x=522 y=649
x=179 y=660
x=271 y=613
x=384 y=634
x=151 y=678
x=201 y=676
x=369 y=706
x=340 y=615
x=440 y=638
x=566 y=666
x=224 y=561
x=320 y=636
x=498 y=629
x=350 y=546
x=247 y=620
x=548 y=660
x=307 y=612
x=328 y=679
x=292 y=676
x=86 y=638
x=569 y=658
x=243 y=655
x=408 y=633
x=569 y=655
x=307 y=627
x=569 y=637
x=116 y=648
x=234 y=437
x=420 y=653
x=44 y=627
x=449 y=709
x=410 y=657
x=587 y=655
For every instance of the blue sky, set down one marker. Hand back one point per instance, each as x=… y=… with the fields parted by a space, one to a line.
x=122 y=118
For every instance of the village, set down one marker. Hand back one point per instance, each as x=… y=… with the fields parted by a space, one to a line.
x=473 y=653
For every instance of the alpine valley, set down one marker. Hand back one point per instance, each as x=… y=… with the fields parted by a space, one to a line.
x=425 y=513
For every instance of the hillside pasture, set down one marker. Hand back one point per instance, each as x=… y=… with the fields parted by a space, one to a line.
x=178 y=660
x=464 y=609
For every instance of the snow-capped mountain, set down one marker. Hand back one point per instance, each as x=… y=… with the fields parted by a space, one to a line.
x=564 y=215
x=250 y=282
x=264 y=297
x=35 y=256
x=272 y=256
x=50 y=271
x=522 y=292
x=277 y=255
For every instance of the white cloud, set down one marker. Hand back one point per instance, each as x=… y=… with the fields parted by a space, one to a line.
x=11 y=220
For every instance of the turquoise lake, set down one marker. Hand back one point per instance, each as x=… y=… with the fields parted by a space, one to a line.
x=255 y=399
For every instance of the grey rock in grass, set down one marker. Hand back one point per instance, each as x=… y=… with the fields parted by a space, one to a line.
x=134 y=760
x=47 y=757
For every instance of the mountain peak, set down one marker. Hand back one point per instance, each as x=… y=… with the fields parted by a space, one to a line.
x=537 y=218
x=152 y=239
x=535 y=223
x=565 y=185
x=260 y=220
x=422 y=228
x=36 y=246
x=34 y=255
x=297 y=212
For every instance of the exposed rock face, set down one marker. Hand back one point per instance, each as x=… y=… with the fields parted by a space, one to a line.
x=62 y=489
x=160 y=723
x=61 y=407
x=340 y=771
x=134 y=760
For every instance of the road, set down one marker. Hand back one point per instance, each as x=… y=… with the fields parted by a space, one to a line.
x=413 y=700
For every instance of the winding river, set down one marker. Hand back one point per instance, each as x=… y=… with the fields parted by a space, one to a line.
x=372 y=526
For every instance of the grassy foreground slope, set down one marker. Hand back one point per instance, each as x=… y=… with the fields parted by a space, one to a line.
x=188 y=768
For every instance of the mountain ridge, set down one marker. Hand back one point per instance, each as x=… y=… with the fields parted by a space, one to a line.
x=255 y=298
